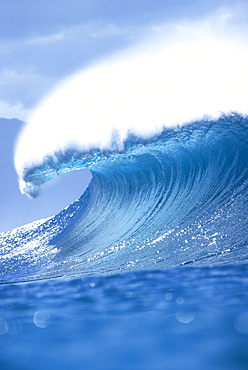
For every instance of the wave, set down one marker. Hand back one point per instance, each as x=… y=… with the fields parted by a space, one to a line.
x=179 y=197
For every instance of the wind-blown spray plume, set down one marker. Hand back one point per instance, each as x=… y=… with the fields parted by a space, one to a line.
x=163 y=82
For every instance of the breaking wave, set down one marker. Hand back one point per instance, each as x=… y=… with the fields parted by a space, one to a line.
x=179 y=197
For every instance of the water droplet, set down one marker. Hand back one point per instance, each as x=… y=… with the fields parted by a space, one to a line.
x=168 y=296
x=180 y=300
x=3 y=326
x=241 y=323
x=42 y=319
x=185 y=317
x=15 y=326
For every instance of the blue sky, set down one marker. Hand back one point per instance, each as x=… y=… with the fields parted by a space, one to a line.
x=43 y=42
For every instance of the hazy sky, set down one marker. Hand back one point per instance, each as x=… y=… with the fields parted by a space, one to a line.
x=43 y=42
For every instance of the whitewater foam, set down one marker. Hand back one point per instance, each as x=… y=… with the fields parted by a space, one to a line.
x=192 y=73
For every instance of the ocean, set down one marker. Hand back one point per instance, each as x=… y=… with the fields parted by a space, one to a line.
x=147 y=269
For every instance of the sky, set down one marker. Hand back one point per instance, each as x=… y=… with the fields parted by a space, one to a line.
x=43 y=42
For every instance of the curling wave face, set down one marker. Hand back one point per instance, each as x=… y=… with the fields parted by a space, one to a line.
x=177 y=198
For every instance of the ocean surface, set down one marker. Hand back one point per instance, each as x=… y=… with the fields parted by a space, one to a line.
x=147 y=270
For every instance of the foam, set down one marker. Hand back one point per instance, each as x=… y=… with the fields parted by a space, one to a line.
x=163 y=82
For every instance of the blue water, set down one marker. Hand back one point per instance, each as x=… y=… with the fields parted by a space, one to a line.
x=147 y=270
x=187 y=317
